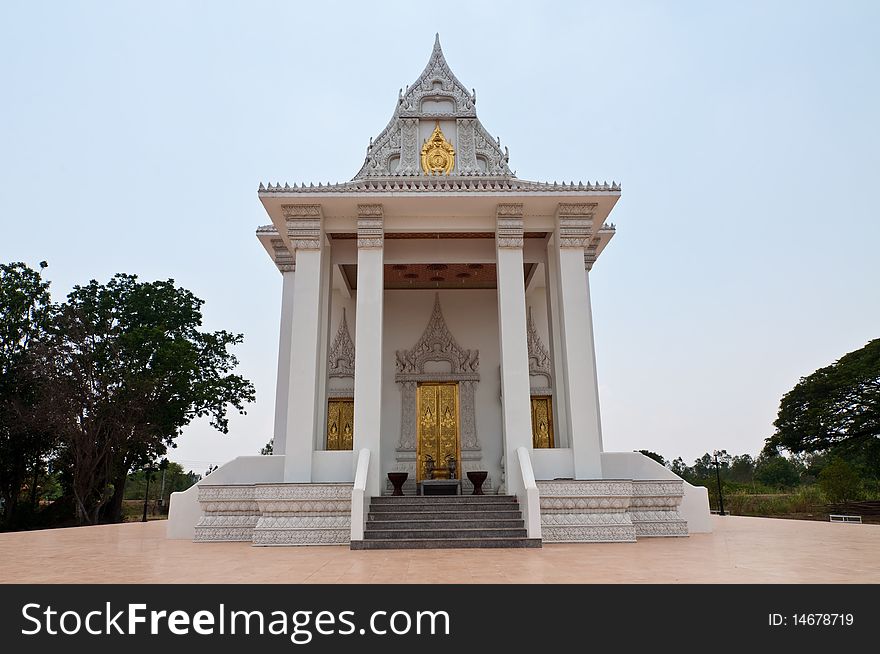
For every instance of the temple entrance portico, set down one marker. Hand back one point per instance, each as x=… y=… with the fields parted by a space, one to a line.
x=436 y=320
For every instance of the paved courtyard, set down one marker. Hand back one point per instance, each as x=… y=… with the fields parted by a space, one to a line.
x=741 y=550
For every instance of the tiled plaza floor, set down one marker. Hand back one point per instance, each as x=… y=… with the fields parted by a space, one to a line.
x=741 y=550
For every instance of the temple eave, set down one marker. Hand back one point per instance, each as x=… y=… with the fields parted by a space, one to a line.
x=445 y=184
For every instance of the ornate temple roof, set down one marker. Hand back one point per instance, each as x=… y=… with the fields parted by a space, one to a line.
x=435 y=96
x=435 y=142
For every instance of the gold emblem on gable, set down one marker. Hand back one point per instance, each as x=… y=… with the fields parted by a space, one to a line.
x=438 y=155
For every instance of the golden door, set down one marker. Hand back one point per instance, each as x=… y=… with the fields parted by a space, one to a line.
x=340 y=424
x=437 y=430
x=542 y=421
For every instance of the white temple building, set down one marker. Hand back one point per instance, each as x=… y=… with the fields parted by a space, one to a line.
x=436 y=321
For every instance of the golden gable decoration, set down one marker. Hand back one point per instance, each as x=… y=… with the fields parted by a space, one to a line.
x=438 y=155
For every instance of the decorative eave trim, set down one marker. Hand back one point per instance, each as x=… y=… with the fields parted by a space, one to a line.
x=279 y=252
x=371 y=226
x=433 y=184
x=303 y=225
x=597 y=244
x=282 y=257
x=574 y=224
x=509 y=225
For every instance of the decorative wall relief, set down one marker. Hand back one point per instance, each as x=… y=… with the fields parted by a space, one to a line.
x=437 y=344
x=340 y=362
x=540 y=372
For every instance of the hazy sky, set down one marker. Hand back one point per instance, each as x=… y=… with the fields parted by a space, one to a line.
x=133 y=136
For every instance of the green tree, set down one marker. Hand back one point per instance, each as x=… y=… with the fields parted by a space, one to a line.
x=742 y=469
x=839 y=481
x=268 y=448
x=776 y=471
x=836 y=409
x=704 y=467
x=679 y=467
x=128 y=367
x=25 y=443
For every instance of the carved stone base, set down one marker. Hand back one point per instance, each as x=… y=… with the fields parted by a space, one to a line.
x=654 y=508
x=303 y=514
x=275 y=514
x=230 y=513
x=225 y=528
x=603 y=510
x=586 y=511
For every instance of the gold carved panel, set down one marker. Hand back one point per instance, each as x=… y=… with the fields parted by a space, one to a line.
x=437 y=438
x=438 y=155
x=340 y=424
x=542 y=421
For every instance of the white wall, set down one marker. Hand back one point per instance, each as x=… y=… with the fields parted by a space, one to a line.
x=472 y=317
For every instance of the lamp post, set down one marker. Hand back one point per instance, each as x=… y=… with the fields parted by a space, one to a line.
x=147 y=473
x=718 y=480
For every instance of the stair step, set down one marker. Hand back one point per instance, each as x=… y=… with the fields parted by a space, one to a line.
x=481 y=523
x=443 y=543
x=452 y=534
x=433 y=507
x=444 y=515
x=443 y=499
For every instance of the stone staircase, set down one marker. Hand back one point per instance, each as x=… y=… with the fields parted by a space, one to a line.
x=438 y=521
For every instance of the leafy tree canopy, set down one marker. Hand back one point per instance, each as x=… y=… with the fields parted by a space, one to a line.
x=839 y=481
x=835 y=409
x=24 y=439
x=103 y=383
x=776 y=471
x=130 y=368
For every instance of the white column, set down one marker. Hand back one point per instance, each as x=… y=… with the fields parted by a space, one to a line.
x=323 y=345
x=574 y=223
x=560 y=413
x=304 y=228
x=516 y=420
x=282 y=385
x=368 y=341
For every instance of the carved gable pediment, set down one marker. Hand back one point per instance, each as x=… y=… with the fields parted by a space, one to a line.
x=340 y=362
x=539 y=357
x=436 y=95
x=437 y=344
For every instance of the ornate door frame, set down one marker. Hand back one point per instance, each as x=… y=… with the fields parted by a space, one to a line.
x=438 y=345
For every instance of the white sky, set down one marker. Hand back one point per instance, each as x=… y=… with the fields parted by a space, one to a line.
x=133 y=137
